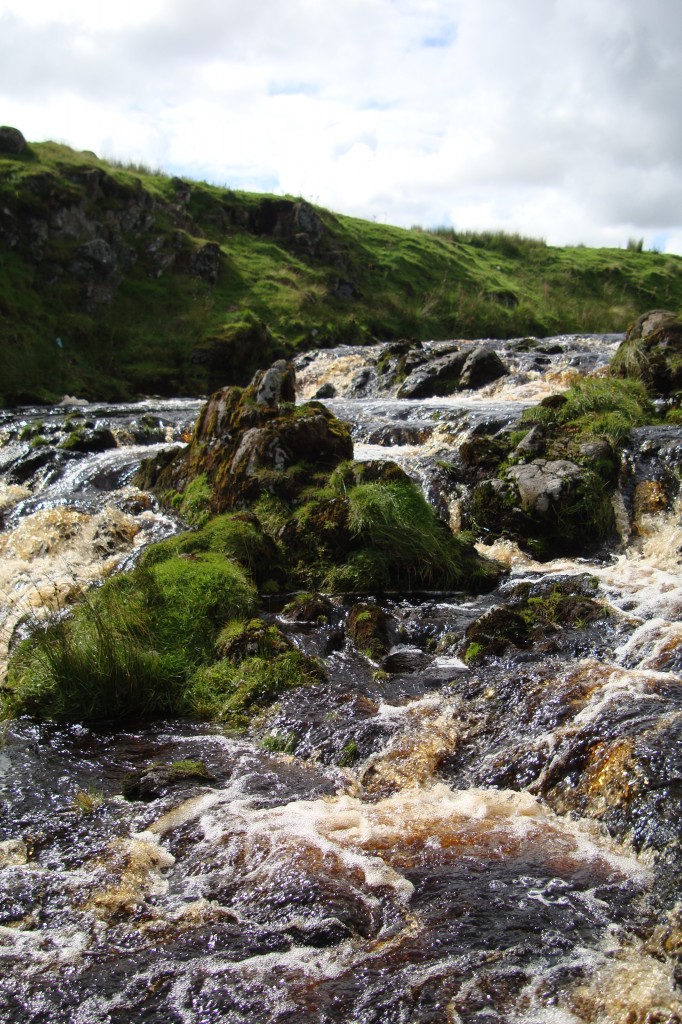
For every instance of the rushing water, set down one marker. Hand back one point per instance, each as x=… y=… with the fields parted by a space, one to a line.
x=503 y=843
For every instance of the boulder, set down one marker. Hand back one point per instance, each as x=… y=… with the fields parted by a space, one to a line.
x=253 y=440
x=543 y=484
x=436 y=377
x=11 y=140
x=275 y=385
x=652 y=352
x=482 y=367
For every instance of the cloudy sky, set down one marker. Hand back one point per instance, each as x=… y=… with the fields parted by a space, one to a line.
x=555 y=118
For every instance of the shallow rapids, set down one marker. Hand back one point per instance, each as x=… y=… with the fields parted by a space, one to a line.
x=426 y=838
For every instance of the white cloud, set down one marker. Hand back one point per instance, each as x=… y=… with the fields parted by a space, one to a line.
x=550 y=117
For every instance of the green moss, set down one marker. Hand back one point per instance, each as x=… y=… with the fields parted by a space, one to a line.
x=195 y=502
x=281 y=743
x=129 y=647
x=474 y=653
x=349 y=754
x=235 y=694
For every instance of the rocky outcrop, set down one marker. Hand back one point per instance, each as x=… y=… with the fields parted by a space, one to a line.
x=253 y=440
x=204 y=262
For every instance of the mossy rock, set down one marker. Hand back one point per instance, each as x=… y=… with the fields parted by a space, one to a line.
x=652 y=352
x=245 y=445
x=308 y=607
x=240 y=640
x=494 y=633
x=157 y=779
x=367 y=625
x=236 y=694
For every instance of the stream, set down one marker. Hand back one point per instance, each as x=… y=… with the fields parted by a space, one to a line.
x=418 y=840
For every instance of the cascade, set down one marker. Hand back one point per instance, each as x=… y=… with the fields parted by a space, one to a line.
x=478 y=822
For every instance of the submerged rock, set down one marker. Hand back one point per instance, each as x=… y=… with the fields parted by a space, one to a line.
x=156 y=779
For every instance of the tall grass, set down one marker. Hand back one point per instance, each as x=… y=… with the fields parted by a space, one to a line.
x=128 y=648
x=397 y=522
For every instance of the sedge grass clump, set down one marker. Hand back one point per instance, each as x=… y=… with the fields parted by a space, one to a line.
x=100 y=662
x=128 y=648
x=606 y=407
x=396 y=521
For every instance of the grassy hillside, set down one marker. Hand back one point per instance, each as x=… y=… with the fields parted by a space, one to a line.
x=115 y=281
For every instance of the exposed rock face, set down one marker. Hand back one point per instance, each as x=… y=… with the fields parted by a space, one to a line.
x=11 y=140
x=251 y=440
x=652 y=352
x=96 y=256
x=205 y=262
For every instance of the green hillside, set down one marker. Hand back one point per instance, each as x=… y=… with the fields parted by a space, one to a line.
x=116 y=282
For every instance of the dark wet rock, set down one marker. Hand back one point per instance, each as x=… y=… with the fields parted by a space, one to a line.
x=326 y=391
x=405 y=660
x=360 y=383
x=439 y=376
x=545 y=484
x=400 y=434
x=367 y=625
x=157 y=779
x=11 y=141
x=652 y=352
x=494 y=633
x=205 y=262
x=450 y=369
x=44 y=463
x=99 y=439
x=482 y=366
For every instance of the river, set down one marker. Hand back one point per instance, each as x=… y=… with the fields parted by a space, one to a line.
x=501 y=842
